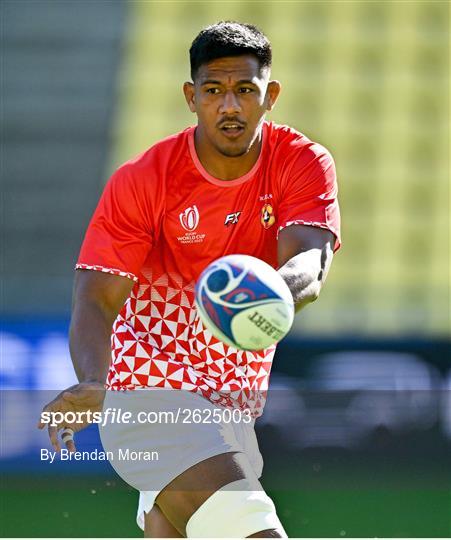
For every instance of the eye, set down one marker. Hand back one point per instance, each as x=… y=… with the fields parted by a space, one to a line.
x=245 y=90
x=212 y=90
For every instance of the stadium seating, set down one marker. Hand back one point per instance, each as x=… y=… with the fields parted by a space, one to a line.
x=368 y=80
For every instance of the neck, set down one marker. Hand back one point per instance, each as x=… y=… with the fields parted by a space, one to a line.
x=224 y=167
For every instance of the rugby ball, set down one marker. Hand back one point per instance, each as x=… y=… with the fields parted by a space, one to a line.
x=244 y=302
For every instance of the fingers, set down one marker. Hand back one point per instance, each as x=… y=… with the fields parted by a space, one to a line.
x=78 y=399
x=68 y=439
x=62 y=403
x=70 y=445
x=54 y=405
x=53 y=436
x=67 y=436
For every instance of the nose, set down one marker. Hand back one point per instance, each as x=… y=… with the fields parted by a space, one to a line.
x=230 y=104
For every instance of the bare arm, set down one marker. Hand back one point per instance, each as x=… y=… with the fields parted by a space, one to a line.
x=305 y=255
x=98 y=297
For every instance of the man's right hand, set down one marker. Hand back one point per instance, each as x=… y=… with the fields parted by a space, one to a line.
x=82 y=397
x=98 y=298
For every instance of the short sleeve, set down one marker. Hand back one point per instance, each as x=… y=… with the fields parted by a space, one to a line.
x=310 y=193
x=122 y=230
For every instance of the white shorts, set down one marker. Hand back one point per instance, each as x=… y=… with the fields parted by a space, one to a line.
x=164 y=448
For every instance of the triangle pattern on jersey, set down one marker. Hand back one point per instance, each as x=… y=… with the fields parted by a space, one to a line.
x=143 y=288
x=181 y=317
x=159 y=341
x=170 y=293
x=166 y=340
x=140 y=305
x=125 y=378
x=169 y=309
x=155 y=295
x=171 y=326
x=144 y=321
x=177 y=279
x=218 y=347
x=156 y=310
x=154 y=381
x=162 y=281
x=157 y=328
x=142 y=366
x=129 y=347
x=162 y=366
x=251 y=372
x=130 y=362
x=176 y=375
x=155 y=370
x=141 y=352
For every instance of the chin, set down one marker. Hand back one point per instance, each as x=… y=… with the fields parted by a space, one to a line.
x=233 y=151
x=229 y=152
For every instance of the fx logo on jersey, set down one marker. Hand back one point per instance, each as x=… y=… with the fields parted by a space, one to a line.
x=232 y=219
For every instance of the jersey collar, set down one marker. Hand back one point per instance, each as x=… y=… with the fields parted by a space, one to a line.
x=217 y=181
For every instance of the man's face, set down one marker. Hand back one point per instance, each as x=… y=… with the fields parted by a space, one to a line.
x=230 y=97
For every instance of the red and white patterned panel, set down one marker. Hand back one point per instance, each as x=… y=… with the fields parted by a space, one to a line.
x=159 y=341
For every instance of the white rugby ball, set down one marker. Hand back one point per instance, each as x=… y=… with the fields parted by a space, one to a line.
x=244 y=302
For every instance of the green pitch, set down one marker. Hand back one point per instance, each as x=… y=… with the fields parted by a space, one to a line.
x=100 y=507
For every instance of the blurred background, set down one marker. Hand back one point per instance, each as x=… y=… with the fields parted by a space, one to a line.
x=357 y=430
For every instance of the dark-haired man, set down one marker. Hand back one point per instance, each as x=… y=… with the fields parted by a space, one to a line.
x=163 y=217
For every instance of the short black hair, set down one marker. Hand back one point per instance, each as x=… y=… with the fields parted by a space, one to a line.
x=229 y=38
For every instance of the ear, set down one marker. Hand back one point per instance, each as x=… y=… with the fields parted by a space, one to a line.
x=188 y=90
x=272 y=93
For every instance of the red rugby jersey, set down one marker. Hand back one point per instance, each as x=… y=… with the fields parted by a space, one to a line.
x=163 y=218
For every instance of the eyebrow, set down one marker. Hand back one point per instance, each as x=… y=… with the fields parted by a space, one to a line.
x=241 y=81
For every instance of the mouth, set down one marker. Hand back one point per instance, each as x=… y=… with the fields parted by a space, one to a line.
x=232 y=130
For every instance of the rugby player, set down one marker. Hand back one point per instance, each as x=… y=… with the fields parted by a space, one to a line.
x=234 y=183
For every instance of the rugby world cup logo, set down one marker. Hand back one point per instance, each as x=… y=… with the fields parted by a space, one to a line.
x=189 y=218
